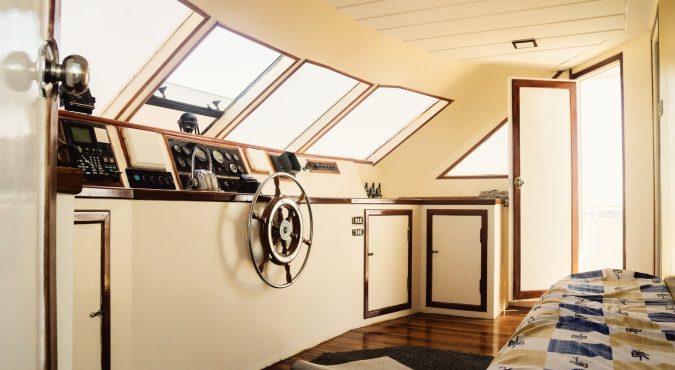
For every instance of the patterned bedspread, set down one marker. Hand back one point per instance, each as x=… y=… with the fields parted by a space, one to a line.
x=605 y=319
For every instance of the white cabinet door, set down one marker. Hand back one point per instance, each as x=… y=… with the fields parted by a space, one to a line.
x=90 y=310
x=387 y=261
x=544 y=192
x=457 y=259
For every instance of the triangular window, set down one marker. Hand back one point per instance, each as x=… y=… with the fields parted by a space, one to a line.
x=489 y=158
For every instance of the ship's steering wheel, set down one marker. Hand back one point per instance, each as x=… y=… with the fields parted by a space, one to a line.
x=281 y=233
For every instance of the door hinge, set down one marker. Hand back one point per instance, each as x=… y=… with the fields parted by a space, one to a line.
x=660 y=108
x=409 y=235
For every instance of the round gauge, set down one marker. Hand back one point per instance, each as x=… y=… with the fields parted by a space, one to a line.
x=241 y=169
x=228 y=156
x=181 y=162
x=187 y=150
x=233 y=168
x=177 y=148
x=236 y=157
x=200 y=154
x=218 y=156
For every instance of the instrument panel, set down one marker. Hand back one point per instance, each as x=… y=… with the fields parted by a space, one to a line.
x=86 y=145
x=228 y=162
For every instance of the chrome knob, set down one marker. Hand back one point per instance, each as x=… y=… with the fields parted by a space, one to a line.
x=518 y=182
x=72 y=74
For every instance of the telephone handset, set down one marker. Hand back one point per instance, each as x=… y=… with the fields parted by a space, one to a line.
x=86 y=145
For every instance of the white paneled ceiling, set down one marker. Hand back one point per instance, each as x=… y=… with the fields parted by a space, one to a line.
x=567 y=31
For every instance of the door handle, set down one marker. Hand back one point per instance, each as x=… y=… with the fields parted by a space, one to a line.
x=370 y=254
x=518 y=182
x=97 y=313
x=72 y=73
x=434 y=251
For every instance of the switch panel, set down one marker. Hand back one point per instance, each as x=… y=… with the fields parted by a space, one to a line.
x=150 y=179
x=322 y=166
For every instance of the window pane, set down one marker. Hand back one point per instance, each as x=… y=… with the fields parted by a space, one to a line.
x=116 y=37
x=220 y=68
x=293 y=107
x=377 y=119
x=601 y=170
x=489 y=158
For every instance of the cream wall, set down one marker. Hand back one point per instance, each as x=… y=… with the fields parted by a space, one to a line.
x=638 y=151
x=185 y=295
x=121 y=337
x=667 y=86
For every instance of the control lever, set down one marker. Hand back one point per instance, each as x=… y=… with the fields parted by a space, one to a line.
x=204 y=180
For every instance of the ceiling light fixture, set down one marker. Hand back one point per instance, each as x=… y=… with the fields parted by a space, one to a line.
x=524 y=44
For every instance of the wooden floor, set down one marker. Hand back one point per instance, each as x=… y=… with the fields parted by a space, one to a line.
x=427 y=330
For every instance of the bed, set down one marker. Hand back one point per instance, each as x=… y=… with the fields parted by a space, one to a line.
x=605 y=319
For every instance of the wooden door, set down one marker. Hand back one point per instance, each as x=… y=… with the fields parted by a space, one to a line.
x=388 y=261
x=544 y=184
x=27 y=191
x=91 y=291
x=457 y=259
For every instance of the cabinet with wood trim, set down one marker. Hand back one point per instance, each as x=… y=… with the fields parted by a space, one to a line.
x=462 y=263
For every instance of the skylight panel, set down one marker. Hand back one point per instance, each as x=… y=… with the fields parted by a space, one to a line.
x=489 y=159
x=304 y=97
x=117 y=38
x=220 y=68
x=372 y=123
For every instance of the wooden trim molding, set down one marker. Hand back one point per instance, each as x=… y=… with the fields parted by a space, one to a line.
x=367 y=313
x=618 y=58
x=483 y=214
x=69 y=180
x=597 y=66
x=473 y=148
x=102 y=218
x=515 y=134
x=97 y=192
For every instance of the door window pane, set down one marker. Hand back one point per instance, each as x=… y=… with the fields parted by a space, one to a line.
x=601 y=170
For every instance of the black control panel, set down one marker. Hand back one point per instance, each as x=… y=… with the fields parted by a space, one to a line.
x=228 y=165
x=319 y=166
x=150 y=179
x=86 y=145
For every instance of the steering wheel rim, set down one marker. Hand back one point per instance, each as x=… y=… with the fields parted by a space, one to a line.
x=269 y=231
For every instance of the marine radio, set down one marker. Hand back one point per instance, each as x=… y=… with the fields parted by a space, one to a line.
x=86 y=145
